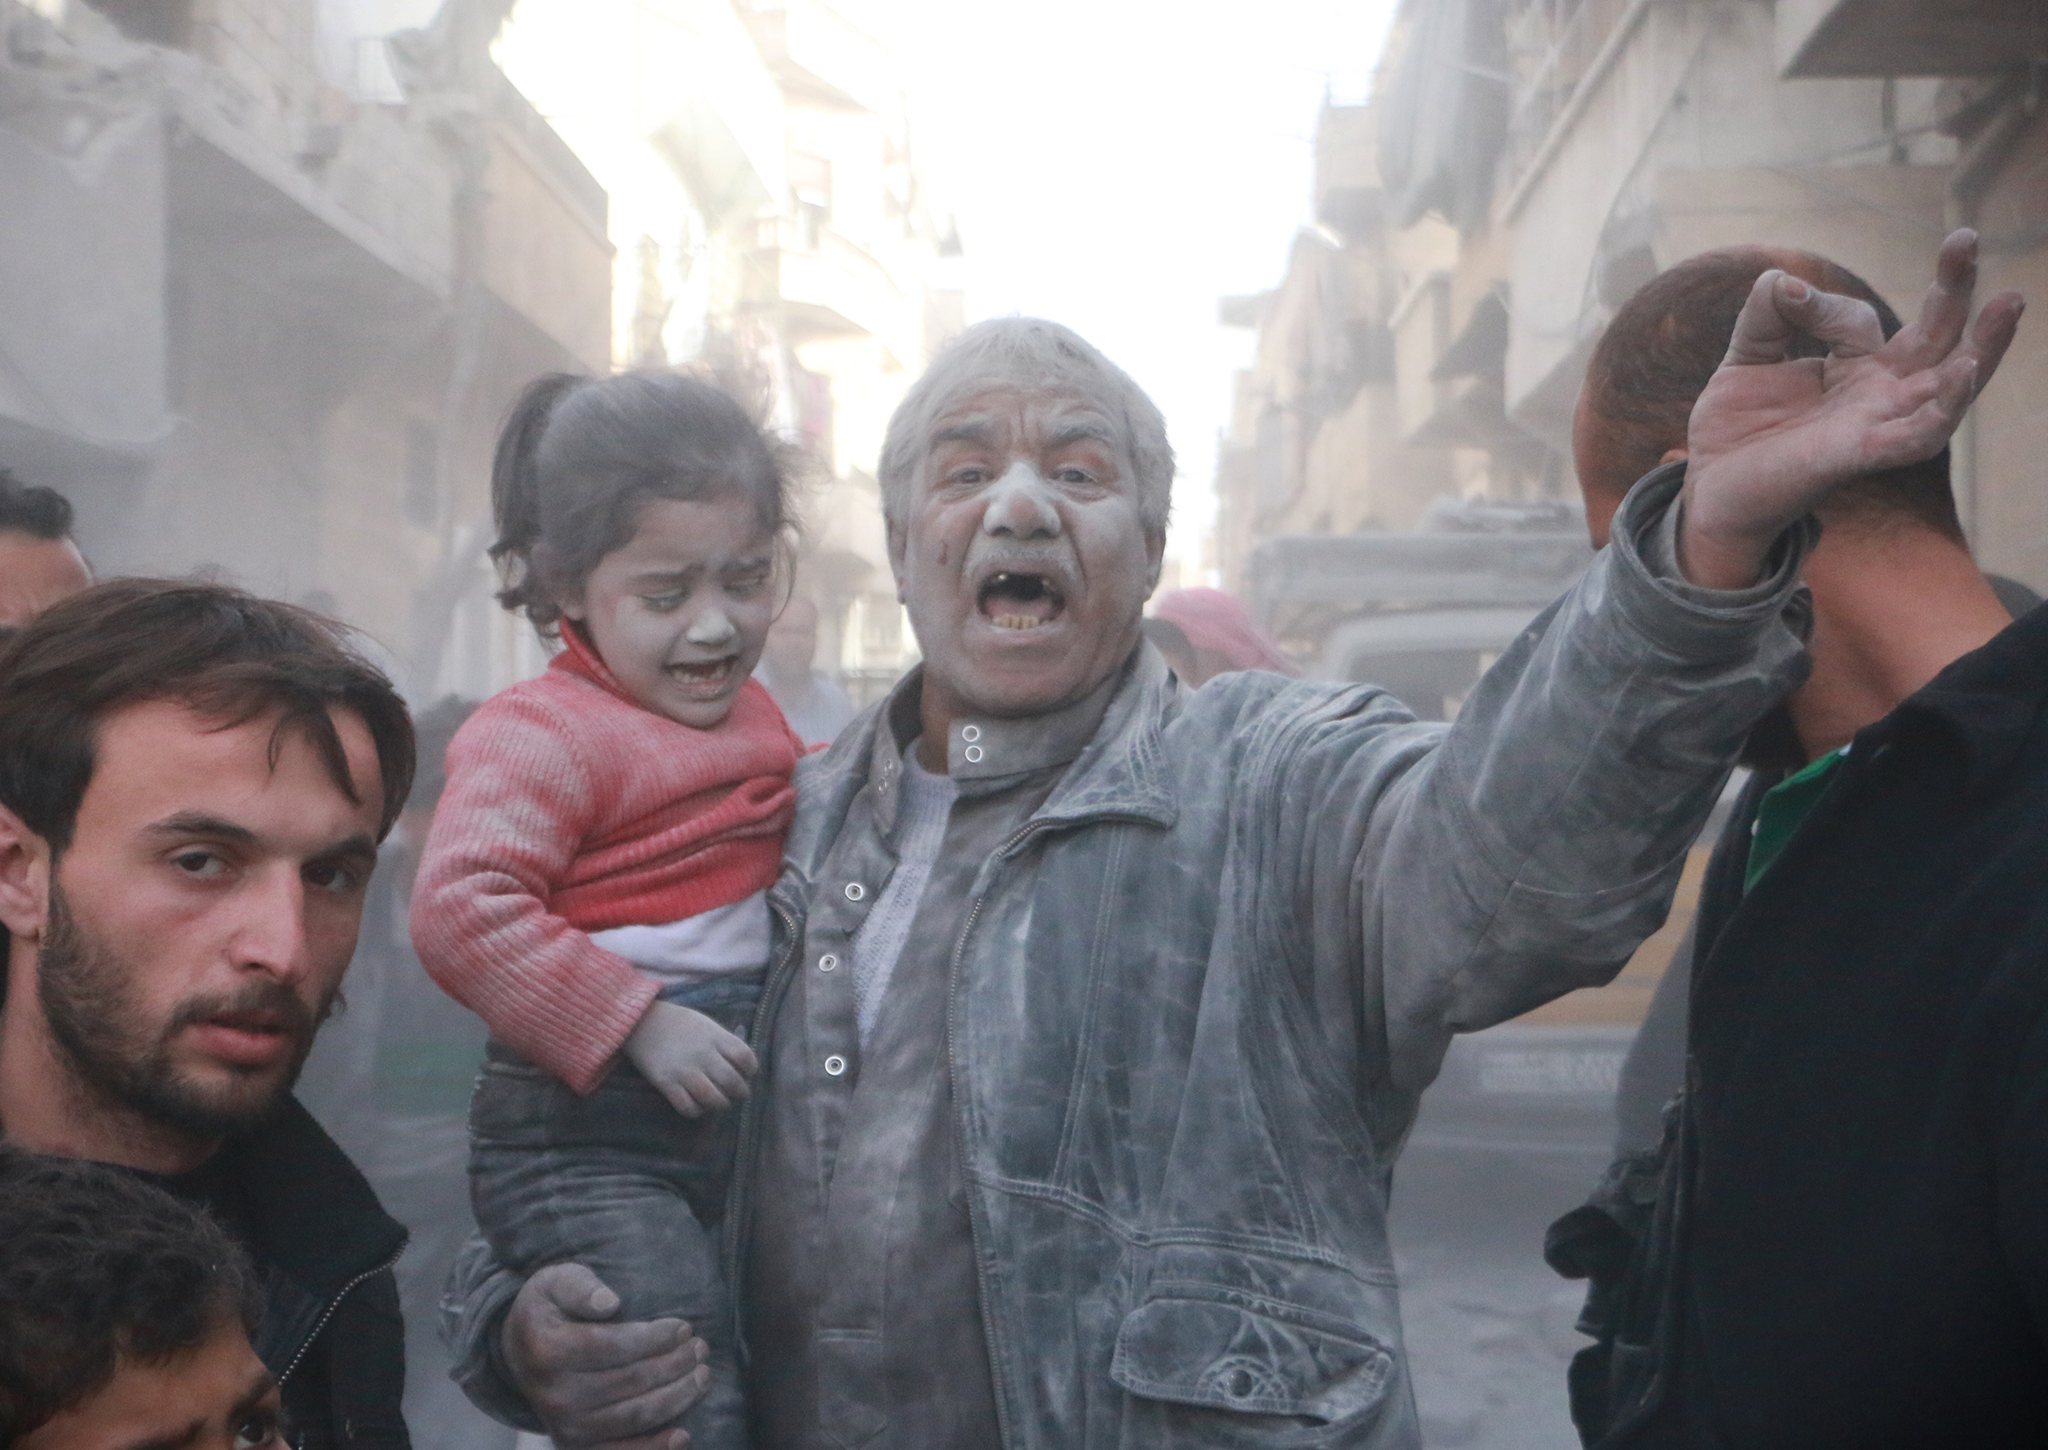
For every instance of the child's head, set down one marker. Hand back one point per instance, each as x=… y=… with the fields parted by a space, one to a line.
x=651 y=512
x=125 y=1317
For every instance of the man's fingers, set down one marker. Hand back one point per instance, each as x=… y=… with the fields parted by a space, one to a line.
x=1848 y=325
x=1955 y=266
x=659 y=1440
x=576 y=1291
x=1944 y=308
x=573 y=1398
x=1781 y=307
x=1993 y=334
x=1943 y=396
x=1957 y=385
x=645 y=1415
x=597 y=1348
x=1763 y=333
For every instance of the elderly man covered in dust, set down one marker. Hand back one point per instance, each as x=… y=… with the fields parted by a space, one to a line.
x=1099 y=1008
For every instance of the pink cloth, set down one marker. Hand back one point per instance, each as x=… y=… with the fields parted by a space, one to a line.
x=572 y=808
x=1214 y=621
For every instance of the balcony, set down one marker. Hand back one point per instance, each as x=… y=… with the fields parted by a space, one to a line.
x=817 y=54
x=1909 y=37
x=1350 y=198
x=823 y=286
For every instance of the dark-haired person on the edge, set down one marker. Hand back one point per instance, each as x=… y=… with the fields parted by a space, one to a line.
x=39 y=562
x=125 y=1318
x=193 y=783
x=1840 y=1239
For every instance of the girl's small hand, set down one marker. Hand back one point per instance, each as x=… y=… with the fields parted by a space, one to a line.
x=698 y=1065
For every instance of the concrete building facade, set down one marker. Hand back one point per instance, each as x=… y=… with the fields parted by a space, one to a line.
x=1524 y=165
x=771 y=229
x=273 y=270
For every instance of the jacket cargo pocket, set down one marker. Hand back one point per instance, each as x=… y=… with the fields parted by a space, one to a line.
x=1259 y=1338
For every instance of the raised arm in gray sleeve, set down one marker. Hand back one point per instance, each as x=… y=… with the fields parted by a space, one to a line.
x=1542 y=840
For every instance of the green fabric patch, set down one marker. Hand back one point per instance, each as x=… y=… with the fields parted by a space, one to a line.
x=423 y=1077
x=1783 y=809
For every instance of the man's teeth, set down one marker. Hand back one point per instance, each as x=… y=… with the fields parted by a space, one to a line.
x=1015 y=621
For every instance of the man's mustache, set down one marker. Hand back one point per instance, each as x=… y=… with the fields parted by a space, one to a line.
x=267 y=1005
x=1053 y=562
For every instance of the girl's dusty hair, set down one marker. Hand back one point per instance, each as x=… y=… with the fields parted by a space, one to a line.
x=580 y=457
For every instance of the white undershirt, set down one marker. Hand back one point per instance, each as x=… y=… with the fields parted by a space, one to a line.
x=924 y=803
x=726 y=941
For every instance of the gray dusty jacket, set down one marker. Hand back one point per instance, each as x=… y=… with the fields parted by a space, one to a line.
x=1200 y=990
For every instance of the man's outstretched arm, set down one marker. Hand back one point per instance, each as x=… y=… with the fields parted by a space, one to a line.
x=1541 y=841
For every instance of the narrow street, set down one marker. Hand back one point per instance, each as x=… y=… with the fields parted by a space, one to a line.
x=1514 y=1133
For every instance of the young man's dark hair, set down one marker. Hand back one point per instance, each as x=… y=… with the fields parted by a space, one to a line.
x=31 y=509
x=227 y=654
x=1659 y=349
x=98 y=1268
x=39 y=561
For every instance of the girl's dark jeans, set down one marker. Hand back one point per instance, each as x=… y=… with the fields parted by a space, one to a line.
x=621 y=1182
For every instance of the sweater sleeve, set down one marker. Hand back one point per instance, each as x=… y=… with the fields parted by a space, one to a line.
x=517 y=806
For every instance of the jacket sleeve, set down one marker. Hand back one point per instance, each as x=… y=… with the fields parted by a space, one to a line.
x=1541 y=839
x=516 y=807
x=478 y=1296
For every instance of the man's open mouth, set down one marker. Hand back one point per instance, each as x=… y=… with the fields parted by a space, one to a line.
x=1020 y=601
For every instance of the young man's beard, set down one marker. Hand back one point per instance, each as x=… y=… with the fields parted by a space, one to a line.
x=122 y=1060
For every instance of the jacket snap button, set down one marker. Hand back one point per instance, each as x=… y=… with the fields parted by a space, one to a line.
x=855 y=891
x=970 y=733
x=973 y=753
x=827 y=962
x=835 y=1065
x=1240 y=1384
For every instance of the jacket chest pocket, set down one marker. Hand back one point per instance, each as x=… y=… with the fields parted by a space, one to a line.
x=1222 y=1333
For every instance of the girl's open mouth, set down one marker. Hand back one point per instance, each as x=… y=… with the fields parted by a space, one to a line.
x=707 y=676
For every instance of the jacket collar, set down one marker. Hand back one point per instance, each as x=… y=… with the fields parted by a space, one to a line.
x=313 y=1214
x=1111 y=737
x=1988 y=700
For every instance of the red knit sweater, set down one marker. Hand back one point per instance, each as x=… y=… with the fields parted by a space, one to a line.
x=571 y=808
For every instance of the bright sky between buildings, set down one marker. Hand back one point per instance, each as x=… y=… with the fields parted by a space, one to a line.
x=1117 y=165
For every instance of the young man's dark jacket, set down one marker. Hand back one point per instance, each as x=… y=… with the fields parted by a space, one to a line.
x=1848 y=1241
x=331 y=1330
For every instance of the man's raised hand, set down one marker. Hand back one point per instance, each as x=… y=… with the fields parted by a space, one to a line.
x=1772 y=434
x=598 y=1384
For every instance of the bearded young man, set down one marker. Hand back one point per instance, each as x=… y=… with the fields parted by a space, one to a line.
x=193 y=783
x=1099 y=1008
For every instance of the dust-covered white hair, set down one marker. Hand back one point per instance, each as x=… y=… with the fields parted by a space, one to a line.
x=1031 y=355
